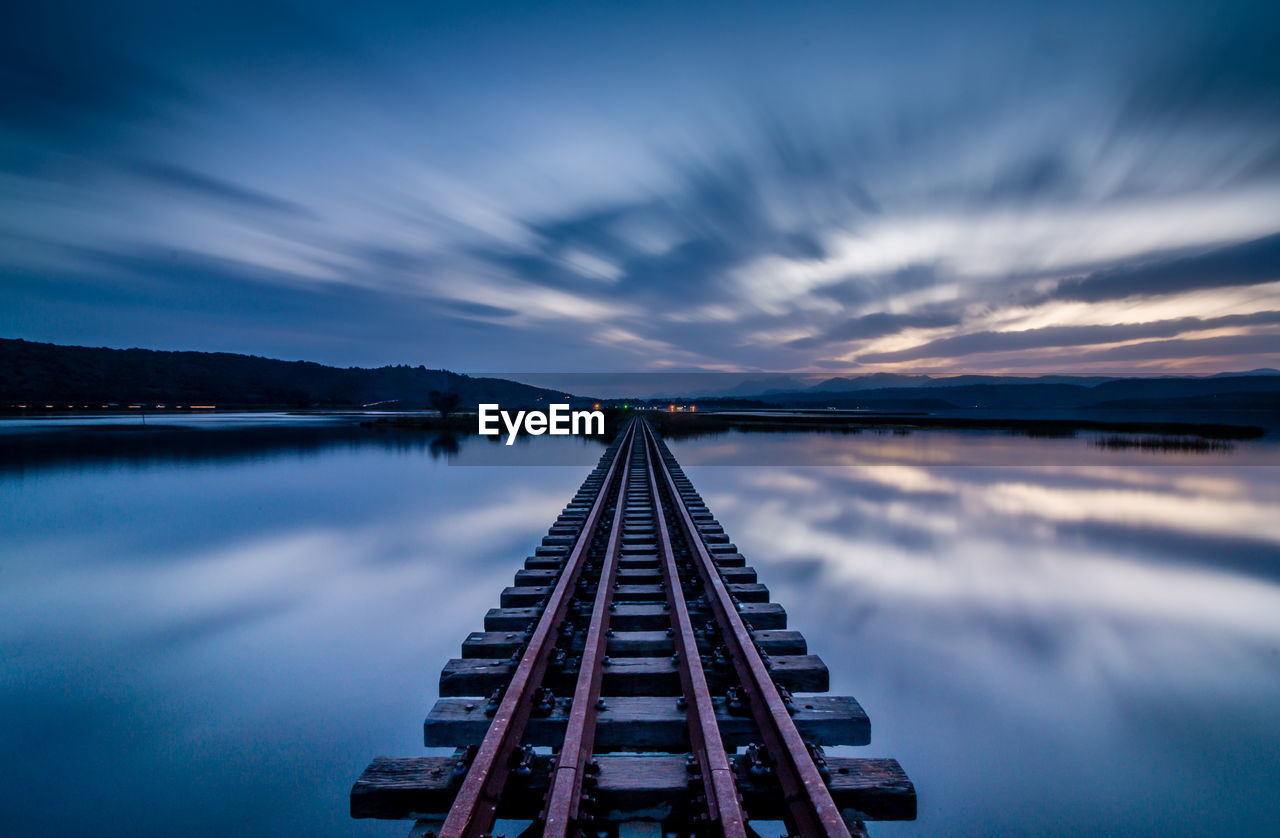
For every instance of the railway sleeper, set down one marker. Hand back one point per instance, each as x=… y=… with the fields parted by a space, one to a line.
x=520 y=596
x=629 y=787
x=628 y=676
x=642 y=616
x=637 y=573
x=641 y=709
x=650 y=723
x=657 y=643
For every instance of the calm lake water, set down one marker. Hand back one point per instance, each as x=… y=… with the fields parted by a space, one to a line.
x=211 y=632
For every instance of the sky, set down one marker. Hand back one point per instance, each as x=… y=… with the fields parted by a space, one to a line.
x=631 y=186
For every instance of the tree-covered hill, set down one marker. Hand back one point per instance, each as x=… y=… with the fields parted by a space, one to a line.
x=46 y=373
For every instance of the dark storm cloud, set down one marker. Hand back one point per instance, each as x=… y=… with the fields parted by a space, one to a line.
x=1056 y=336
x=1252 y=263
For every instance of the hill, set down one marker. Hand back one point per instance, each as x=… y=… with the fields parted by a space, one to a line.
x=47 y=373
x=1238 y=392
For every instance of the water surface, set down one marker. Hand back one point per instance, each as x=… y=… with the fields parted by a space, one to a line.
x=211 y=634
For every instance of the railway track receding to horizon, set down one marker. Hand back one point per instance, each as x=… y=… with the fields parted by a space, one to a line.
x=636 y=680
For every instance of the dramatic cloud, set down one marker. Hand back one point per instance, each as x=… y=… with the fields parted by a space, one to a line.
x=798 y=187
x=1252 y=263
x=1078 y=336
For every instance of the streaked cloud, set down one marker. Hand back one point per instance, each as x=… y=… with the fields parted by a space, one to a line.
x=206 y=186
x=808 y=188
x=1058 y=336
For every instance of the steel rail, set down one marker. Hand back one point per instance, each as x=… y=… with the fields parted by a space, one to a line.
x=475 y=807
x=810 y=806
x=724 y=807
x=565 y=795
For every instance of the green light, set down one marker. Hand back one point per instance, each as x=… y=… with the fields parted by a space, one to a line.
x=626 y=407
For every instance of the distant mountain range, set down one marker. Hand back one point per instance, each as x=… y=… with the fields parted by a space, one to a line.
x=1257 y=389
x=884 y=381
x=1253 y=390
x=45 y=373
x=773 y=386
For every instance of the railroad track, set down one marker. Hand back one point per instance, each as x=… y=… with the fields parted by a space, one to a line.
x=636 y=679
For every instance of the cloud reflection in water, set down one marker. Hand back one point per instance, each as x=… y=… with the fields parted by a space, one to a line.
x=1032 y=643
x=1049 y=650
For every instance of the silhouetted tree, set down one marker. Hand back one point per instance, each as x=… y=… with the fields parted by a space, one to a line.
x=446 y=403
x=444 y=445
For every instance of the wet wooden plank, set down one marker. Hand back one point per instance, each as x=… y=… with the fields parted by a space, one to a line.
x=399 y=788
x=502 y=644
x=626 y=676
x=630 y=787
x=532 y=586
x=530 y=577
x=509 y=619
x=520 y=597
x=640 y=576
x=641 y=617
x=763 y=615
x=639 y=593
x=786 y=642
x=651 y=723
x=753 y=592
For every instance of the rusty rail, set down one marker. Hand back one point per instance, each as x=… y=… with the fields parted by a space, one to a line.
x=723 y=802
x=565 y=797
x=682 y=714
x=812 y=811
x=475 y=808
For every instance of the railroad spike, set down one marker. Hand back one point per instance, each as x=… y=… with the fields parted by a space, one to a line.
x=523 y=761
x=495 y=700
x=735 y=701
x=544 y=703
x=637 y=529
x=819 y=761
